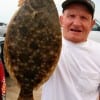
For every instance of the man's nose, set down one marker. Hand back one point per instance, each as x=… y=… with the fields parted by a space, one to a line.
x=77 y=21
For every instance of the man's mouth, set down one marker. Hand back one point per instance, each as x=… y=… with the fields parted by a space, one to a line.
x=75 y=30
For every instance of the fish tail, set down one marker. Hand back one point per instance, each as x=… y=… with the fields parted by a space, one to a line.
x=25 y=95
x=25 y=98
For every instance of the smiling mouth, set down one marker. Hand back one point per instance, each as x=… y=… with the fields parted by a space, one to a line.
x=75 y=30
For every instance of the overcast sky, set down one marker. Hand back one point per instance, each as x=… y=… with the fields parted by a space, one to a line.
x=9 y=7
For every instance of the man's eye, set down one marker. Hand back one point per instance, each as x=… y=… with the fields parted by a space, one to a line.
x=84 y=18
x=72 y=16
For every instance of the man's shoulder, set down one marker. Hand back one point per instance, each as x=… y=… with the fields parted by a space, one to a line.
x=94 y=42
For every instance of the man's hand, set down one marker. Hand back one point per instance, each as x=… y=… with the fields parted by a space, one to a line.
x=20 y=2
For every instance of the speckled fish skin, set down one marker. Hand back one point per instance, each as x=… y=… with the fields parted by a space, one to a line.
x=32 y=45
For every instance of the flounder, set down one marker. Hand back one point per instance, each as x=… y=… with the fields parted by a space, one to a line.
x=32 y=45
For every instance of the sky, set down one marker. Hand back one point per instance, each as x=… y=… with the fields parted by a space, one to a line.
x=9 y=7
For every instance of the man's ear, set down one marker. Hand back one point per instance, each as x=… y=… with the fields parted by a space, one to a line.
x=61 y=20
x=93 y=23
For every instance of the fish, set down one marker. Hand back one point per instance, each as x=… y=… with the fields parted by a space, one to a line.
x=32 y=45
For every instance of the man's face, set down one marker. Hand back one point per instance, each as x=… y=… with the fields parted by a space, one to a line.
x=76 y=23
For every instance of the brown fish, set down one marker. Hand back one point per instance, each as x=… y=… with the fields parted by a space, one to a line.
x=32 y=45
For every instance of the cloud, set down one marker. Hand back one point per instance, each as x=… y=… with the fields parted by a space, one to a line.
x=58 y=5
x=7 y=8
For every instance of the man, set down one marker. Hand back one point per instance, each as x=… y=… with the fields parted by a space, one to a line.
x=77 y=75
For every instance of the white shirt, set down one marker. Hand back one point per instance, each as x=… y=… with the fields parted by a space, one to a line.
x=77 y=75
